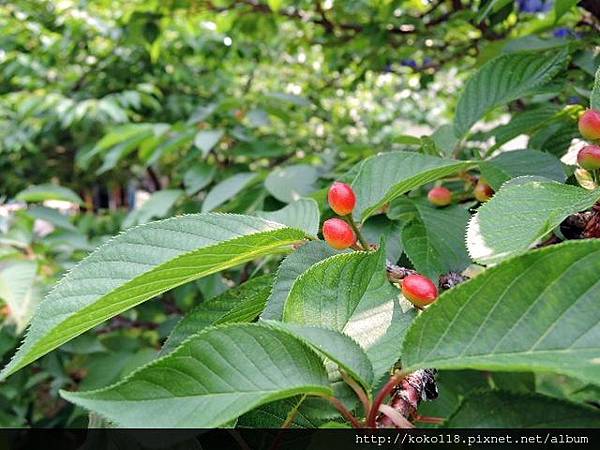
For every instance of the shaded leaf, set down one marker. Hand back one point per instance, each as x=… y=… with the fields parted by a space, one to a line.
x=242 y=303
x=434 y=241
x=498 y=409
x=520 y=163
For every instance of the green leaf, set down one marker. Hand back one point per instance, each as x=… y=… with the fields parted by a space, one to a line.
x=434 y=241
x=156 y=207
x=525 y=122
x=502 y=80
x=385 y=177
x=536 y=312
x=350 y=293
x=54 y=216
x=211 y=379
x=198 y=177
x=290 y=269
x=207 y=139
x=226 y=190
x=455 y=385
x=561 y=7
x=142 y=263
x=380 y=227
x=518 y=163
x=290 y=183
x=498 y=409
x=302 y=214
x=340 y=348
x=239 y=304
x=520 y=214
x=489 y=7
x=19 y=292
x=42 y=192
x=595 y=97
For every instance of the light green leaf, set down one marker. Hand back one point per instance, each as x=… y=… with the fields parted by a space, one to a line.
x=338 y=347
x=19 y=292
x=211 y=379
x=502 y=80
x=521 y=163
x=434 y=241
x=302 y=214
x=226 y=190
x=561 y=7
x=350 y=293
x=498 y=409
x=537 y=312
x=175 y=140
x=595 y=97
x=520 y=214
x=386 y=176
x=290 y=183
x=42 y=192
x=198 y=177
x=54 y=216
x=142 y=263
x=156 y=207
x=205 y=140
x=289 y=270
x=242 y=303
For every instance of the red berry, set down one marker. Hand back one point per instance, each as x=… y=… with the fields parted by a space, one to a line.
x=483 y=192
x=419 y=290
x=440 y=196
x=338 y=233
x=341 y=198
x=589 y=125
x=589 y=157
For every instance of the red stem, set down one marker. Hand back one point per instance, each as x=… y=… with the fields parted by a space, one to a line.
x=381 y=396
x=345 y=412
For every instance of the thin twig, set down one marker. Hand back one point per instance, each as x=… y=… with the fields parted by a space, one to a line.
x=360 y=393
x=345 y=412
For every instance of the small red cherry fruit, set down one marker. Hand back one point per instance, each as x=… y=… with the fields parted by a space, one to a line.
x=342 y=198
x=419 y=290
x=440 y=196
x=589 y=157
x=589 y=125
x=338 y=233
x=483 y=191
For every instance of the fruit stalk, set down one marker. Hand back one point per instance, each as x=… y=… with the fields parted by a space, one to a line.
x=361 y=239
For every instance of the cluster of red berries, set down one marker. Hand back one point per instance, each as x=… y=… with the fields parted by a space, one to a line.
x=340 y=234
x=589 y=127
